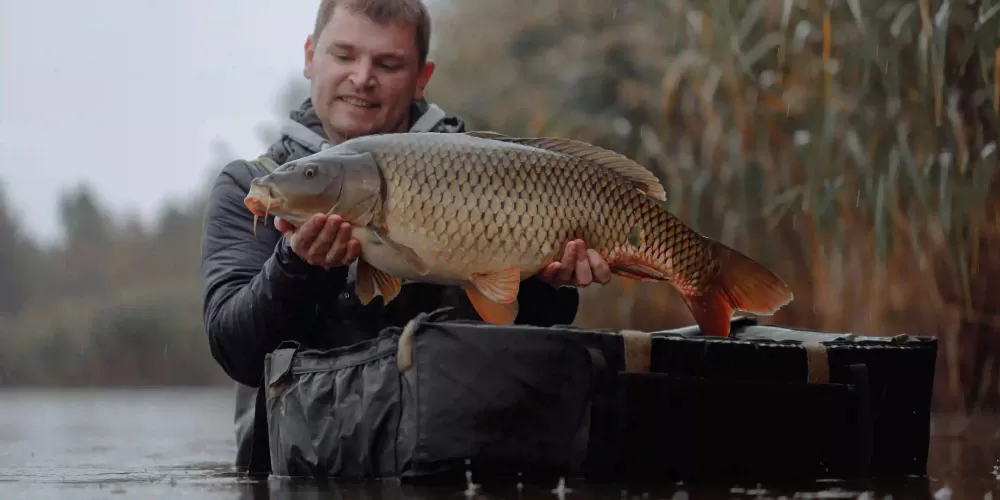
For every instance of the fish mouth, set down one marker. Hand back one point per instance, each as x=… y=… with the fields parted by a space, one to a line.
x=261 y=208
x=261 y=201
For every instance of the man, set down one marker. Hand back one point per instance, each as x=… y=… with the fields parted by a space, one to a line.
x=366 y=61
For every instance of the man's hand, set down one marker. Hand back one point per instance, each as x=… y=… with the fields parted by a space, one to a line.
x=323 y=240
x=579 y=267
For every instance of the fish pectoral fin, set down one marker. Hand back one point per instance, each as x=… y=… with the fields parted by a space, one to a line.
x=500 y=286
x=638 y=271
x=490 y=310
x=370 y=278
x=406 y=253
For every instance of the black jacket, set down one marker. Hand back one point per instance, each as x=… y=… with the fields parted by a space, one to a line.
x=258 y=293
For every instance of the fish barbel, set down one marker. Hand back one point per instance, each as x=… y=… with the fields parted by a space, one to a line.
x=484 y=211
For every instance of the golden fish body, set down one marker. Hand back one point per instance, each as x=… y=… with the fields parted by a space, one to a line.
x=471 y=206
x=484 y=211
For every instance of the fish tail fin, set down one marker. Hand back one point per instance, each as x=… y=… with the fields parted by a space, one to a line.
x=741 y=284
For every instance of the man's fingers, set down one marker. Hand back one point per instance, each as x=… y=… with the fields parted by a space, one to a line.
x=303 y=238
x=283 y=226
x=583 y=272
x=569 y=255
x=599 y=266
x=549 y=271
x=335 y=255
x=568 y=264
x=345 y=254
x=344 y=234
x=353 y=251
x=338 y=250
x=321 y=245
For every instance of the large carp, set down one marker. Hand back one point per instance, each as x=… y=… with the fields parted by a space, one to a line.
x=484 y=211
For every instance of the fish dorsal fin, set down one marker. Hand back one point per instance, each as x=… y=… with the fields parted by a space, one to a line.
x=642 y=178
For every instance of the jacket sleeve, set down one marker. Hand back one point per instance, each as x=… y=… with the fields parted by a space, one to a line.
x=540 y=304
x=256 y=292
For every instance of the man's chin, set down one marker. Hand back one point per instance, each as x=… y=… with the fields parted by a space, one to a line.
x=349 y=129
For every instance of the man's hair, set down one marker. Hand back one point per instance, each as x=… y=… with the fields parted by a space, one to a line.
x=412 y=12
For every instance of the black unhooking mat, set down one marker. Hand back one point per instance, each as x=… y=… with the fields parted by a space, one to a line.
x=439 y=399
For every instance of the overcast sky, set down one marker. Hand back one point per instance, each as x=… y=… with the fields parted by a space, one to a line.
x=130 y=94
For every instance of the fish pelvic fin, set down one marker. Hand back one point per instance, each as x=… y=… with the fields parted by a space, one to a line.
x=494 y=295
x=741 y=284
x=371 y=281
x=491 y=311
x=500 y=286
x=642 y=178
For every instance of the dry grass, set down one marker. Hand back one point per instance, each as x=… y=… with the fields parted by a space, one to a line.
x=850 y=145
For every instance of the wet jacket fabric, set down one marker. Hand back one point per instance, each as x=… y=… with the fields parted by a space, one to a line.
x=257 y=293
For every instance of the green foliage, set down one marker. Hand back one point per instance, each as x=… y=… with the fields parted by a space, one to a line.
x=83 y=219
x=117 y=302
x=13 y=251
x=138 y=337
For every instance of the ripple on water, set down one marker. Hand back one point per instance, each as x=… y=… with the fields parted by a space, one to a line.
x=178 y=443
x=88 y=475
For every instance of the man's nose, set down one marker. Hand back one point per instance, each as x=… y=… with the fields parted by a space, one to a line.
x=361 y=76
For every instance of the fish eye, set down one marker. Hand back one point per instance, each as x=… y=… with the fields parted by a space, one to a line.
x=309 y=172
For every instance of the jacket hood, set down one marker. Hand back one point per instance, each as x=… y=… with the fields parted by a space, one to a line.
x=306 y=115
x=302 y=133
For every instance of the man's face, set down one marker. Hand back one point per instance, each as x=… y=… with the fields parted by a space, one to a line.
x=363 y=75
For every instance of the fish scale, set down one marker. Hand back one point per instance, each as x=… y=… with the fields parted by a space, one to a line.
x=485 y=211
x=557 y=217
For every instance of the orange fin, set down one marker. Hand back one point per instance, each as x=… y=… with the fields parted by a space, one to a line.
x=368 y=278
x=639 y=272
x=500 y=286
x=712 y=311
x=742 y=284
x=492 y=311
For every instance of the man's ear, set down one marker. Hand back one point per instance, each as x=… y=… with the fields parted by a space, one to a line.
x=423 y=78
x=309 y=50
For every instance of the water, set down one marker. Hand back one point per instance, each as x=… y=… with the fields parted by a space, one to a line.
x=178 y=443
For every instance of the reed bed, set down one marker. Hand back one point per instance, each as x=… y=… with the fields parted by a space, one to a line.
x=850 y=145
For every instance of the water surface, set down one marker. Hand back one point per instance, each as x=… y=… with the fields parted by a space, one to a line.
x=178 y=443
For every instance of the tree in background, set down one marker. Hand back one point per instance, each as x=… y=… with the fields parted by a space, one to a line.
x=13 y=251
x=114 y=302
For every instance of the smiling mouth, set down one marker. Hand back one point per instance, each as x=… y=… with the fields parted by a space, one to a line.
x=361 y=103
